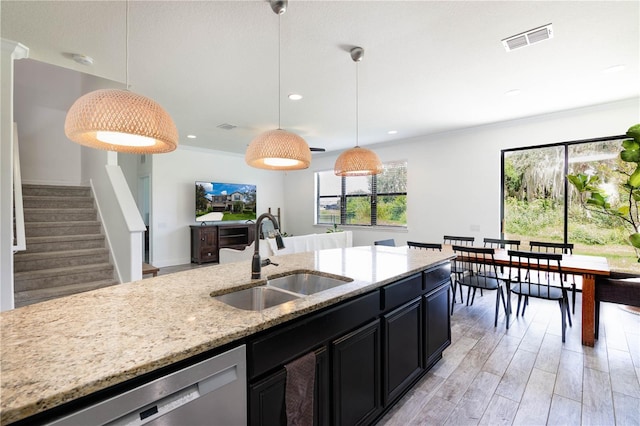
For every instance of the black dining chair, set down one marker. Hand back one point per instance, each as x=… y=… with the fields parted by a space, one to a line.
x=539 y=275
x=426 y=246
x=548 y=247
x=456 y=267
x=480 y=263
x=390 y=242
x=499 y=243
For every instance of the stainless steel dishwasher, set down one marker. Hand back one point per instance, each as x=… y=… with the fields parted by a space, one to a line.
x=212 y=392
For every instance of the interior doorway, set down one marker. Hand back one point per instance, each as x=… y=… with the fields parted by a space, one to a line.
x=144 y=203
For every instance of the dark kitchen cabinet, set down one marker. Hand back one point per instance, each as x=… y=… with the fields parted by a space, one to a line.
x=437 y=323
x=267 y=397
x=356 y=376
x=370 y=350
x=403 y=348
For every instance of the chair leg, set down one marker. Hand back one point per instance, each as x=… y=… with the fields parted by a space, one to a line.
x=597 y=319
x=453 y=285
x=573 y=297
x=453 y=299
x=524 y=305
x=518 y=308
x=495 y=322
x=563 y=308
x=504 y=302
x=473 y=296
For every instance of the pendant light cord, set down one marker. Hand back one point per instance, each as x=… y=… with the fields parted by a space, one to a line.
x=279 y=76
x=357 y=116
x=126 y=45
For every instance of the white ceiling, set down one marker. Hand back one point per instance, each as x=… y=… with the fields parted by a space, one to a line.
x=429 y=66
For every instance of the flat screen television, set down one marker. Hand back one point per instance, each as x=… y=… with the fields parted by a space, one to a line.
x=218 y=201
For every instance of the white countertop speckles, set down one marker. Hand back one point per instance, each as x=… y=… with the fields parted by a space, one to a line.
x=56 y=351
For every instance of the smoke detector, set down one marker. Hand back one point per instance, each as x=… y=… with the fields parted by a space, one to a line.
x=226 y=126
x=528 y=38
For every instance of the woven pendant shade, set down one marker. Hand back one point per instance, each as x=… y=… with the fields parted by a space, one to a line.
x=358 y=162
x=278 y=150
x=119 y=120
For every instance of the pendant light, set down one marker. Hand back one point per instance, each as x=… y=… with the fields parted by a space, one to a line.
x=278 y=149
x=357 y=161
x=119 y=120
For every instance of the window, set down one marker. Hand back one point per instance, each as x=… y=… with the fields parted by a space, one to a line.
x=538 y=204
x=379 y=200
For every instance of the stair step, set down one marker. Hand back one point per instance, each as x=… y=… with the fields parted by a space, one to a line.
x=46 y=202
x=27 y=261
x=43 y=229
x=56 y=190
x=45 y=278
x=64 y=242
x=28 y=297
x=59 y=215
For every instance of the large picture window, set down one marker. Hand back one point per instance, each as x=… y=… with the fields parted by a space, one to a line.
x=379 y=200
x=538 y=204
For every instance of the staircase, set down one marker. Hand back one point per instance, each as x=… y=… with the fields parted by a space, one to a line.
x=66 y=251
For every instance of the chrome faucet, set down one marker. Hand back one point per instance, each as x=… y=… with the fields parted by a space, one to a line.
x=256 y=263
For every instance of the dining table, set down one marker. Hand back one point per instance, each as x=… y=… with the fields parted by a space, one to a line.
x=586 y=266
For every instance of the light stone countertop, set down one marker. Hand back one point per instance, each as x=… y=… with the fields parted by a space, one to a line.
x=57 y=351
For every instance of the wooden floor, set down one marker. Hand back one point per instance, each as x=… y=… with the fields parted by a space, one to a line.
x=526 y=375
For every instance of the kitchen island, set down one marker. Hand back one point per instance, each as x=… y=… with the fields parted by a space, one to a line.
x=64 y=349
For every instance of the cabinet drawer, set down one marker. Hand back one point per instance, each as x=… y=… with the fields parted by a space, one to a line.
x=208 y=254
x=290 y=342
x=401 y=292
x=434 y=277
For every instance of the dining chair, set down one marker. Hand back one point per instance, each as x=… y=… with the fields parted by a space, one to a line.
x=548 y=247
x=483 y=275
x=456 y=267
x=426 y=246
x=390 y=242
x=541 y=279
x=499 y=243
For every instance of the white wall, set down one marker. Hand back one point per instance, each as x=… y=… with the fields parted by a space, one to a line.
x=454 y=178
x=173 y=196
x=40 y=111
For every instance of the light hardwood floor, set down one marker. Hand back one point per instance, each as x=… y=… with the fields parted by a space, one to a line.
x=526 y=375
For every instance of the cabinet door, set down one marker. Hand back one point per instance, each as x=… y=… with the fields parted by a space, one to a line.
x=356 y=376
x=437 y=323
x=403 y=348
x=267 y=397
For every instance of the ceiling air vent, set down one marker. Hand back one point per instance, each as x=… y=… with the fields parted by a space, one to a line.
x=528 y=37
x=226 y=126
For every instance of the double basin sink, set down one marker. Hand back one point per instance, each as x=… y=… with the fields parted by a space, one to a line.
x=281 y=290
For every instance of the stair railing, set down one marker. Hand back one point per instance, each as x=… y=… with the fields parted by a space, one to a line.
x=19 y=238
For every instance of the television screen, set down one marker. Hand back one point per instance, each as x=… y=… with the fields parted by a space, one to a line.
x=217 y=201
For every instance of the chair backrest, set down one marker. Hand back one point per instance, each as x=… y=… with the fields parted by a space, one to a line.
x=545 y=247
x=458 y=241
x=390 y=242
x=479 y=261
x=536 y=271
x=500 y=243
x=426 y=246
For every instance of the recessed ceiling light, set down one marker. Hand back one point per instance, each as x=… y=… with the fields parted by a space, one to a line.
x=513 y=92
x=614 y=68
x=392 y=132
x=191 y=136
x=295 y=96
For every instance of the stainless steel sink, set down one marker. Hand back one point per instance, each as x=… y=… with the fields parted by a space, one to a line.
x=306 y=283
x=256 y=298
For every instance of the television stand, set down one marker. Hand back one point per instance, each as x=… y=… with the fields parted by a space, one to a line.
x=207 y=240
